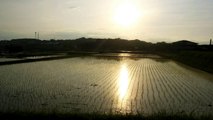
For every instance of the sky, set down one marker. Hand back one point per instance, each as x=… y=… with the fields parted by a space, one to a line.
x=156 y=20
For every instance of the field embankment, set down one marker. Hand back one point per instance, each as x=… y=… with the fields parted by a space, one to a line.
x=27 y=58
x=16 y=59
x=197 y=59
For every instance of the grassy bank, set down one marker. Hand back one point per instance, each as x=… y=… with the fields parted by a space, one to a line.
x=198 y=59
x=97 y=116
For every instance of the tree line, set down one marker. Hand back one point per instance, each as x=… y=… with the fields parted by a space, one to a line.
x=96 y=45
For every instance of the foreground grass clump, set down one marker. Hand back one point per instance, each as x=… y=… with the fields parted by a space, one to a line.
x=97 y=116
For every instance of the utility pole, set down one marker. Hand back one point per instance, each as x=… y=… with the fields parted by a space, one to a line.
x=210 y=42
x=35 y=35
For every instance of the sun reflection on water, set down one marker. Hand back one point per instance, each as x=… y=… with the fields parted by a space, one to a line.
x=123 y=81
x=123 y=88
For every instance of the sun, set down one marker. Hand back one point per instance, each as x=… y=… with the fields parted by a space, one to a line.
x=126 y=14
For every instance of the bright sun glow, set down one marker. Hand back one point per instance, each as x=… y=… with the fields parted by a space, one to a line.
x=126 y=14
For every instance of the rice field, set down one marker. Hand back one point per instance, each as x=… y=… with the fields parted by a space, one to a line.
x=94 y=84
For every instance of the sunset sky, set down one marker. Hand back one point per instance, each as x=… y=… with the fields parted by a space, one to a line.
x=149 y=20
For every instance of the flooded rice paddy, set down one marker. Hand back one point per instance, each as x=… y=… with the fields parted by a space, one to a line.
x=105 y=85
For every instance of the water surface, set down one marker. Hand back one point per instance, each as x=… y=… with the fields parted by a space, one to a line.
x=96 y=84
